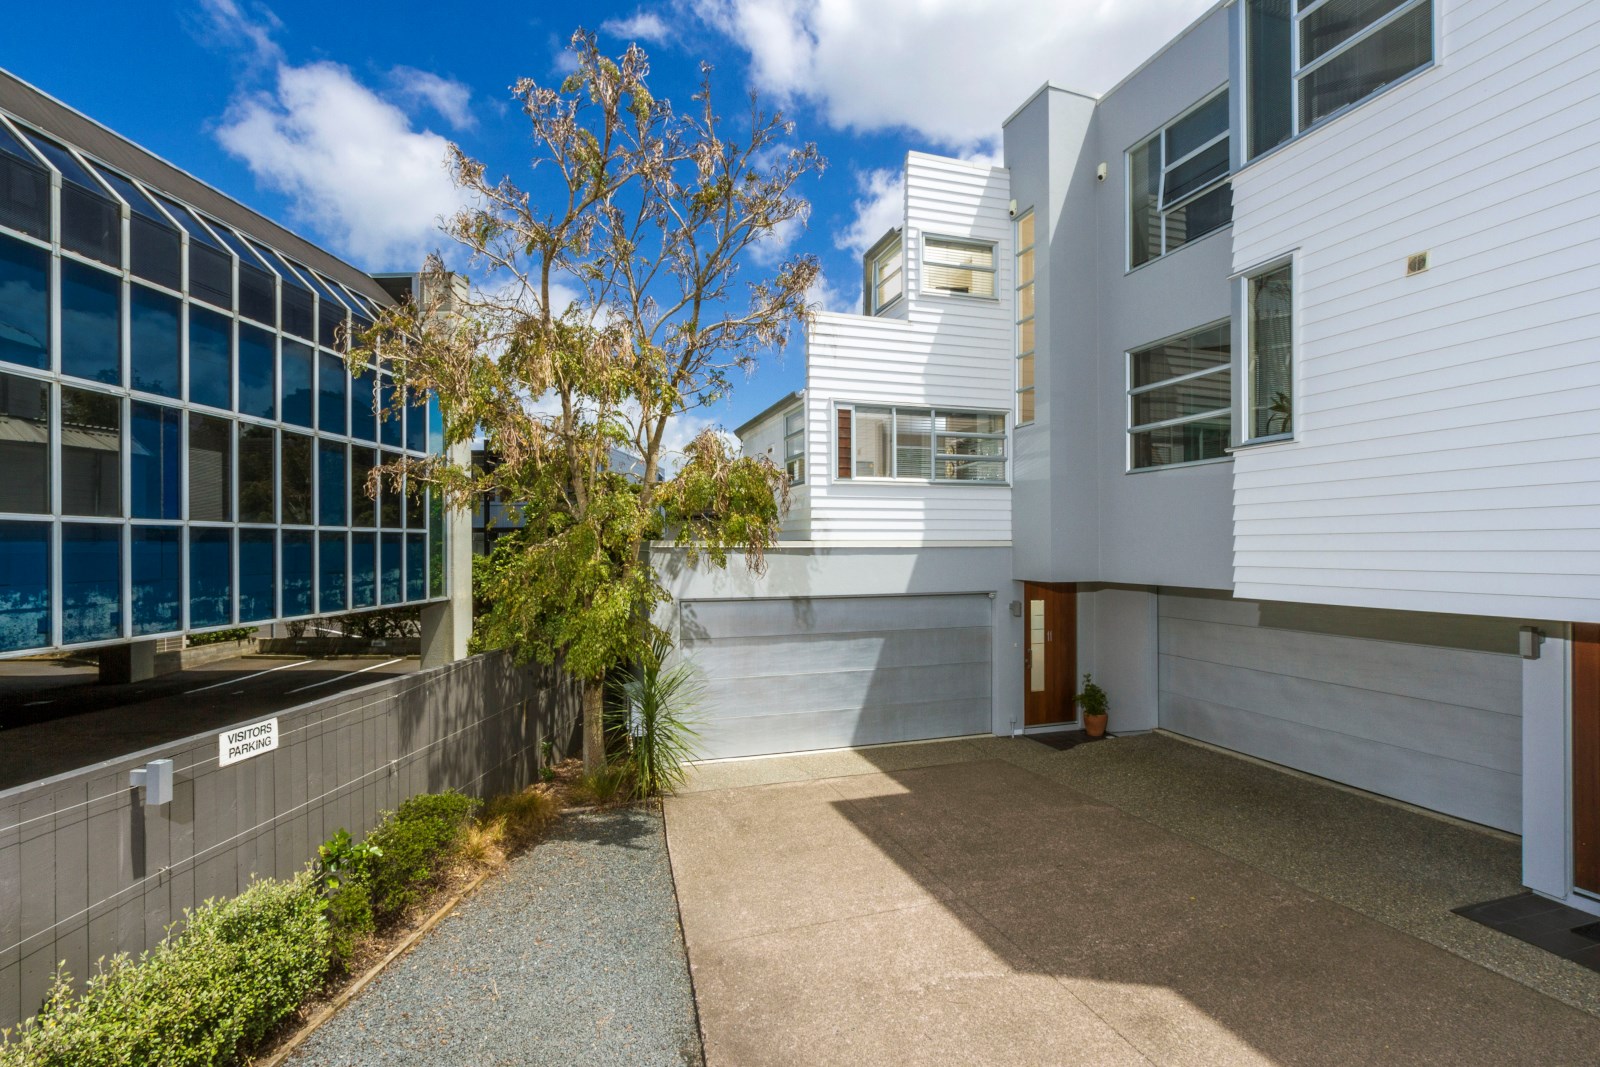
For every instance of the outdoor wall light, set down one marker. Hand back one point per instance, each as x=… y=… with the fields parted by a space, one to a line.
x=156 y=779
x=1529 y=638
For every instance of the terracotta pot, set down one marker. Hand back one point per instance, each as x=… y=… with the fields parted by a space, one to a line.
x=1094 y=725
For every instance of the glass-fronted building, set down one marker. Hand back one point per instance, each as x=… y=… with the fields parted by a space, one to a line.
x=182 y=444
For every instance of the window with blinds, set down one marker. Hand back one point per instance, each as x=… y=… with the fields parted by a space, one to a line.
x=921 y=444
x=957 y=267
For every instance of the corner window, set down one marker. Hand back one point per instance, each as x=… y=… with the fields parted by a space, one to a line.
x=794 y=446
x=1178 y=189
x=957 y=267
x=1306 y=60
x=1180 y=399
x=1025 y=308
x=887 y=276
x=921 y=444
x=1269 y=314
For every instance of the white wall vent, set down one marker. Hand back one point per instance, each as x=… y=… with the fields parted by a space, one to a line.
x=1416 y=263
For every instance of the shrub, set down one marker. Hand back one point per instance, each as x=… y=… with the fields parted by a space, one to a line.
x=344 y=866
x=507 y=824
x=201 y=997
x=653 y=730
x=217 y=637
x=611 y=784
x=408 y=844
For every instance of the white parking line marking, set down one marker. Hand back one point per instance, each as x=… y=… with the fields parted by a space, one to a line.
x=352 y=674
x=36 y=703
x=246 y=678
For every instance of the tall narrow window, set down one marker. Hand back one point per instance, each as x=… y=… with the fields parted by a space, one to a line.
x=886 y=281
x=24 y=445
x=1180 y=398
x=297 y=389
x=24 y=304
x=958 y=267
x=874 y=433
x=210 y=576
x=210 y=358
x=258 y=373
x=156 y=443
x=258 y=575
x=794 y=445
x=91 y=453
x=91 y=323
x=156 y=343
x=1271 y=340
x=91 y=582
x=24 y=585
x=210 y=468
x=258 y=483
x=1178 y=187
x=294 y=479
x=1025 y=312
x=157 y=573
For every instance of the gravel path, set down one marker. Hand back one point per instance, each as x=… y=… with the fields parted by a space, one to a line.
x=572 y=956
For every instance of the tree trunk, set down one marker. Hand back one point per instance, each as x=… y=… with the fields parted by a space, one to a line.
x=594 y=737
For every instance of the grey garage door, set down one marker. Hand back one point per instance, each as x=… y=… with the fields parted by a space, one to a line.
x=792 y=674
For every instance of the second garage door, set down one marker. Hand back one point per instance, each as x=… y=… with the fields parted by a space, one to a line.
x=800 y=673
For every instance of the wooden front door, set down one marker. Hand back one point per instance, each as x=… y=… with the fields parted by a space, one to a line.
x=1586 y=757
x=1050 y=653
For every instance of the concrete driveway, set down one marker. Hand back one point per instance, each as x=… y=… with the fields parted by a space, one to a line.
x=979 y=912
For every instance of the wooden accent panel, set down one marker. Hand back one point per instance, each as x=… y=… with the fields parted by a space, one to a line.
x=1586 y=756
x=1056 y=650
x=845 y=448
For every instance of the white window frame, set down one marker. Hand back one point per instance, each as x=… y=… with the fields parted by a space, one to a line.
x=1133 y=391
x=1243 y=424
x=790 y=452
x=1164 y=209
x=1297 y=72
x=897 y=249
x=950 y=240
x=1032 y=353
x=895 y=410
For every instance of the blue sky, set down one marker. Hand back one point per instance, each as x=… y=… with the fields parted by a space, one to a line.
x=332 y=117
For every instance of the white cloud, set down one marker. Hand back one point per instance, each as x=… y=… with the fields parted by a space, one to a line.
x=950 y=70
x=451 y=99
x=825 y=296
x=350 y=162
x=641 y=26
x=880 y=208
x=225 y=23
x=776 y=242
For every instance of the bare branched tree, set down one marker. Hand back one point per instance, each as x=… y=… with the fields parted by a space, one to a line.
x=606 y=308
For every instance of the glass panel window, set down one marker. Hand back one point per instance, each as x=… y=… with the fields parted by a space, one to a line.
x=210 y=468
x=258 y=483
x=297 y=362
x=24 y=304
x=363 y=420
x=958 y=267
x=157 y=571
x=913 y=444
x=1269 y=73
x=331 y=384
x=888 y=278
x=91 y=323
x=794 y=446
x=389 y=567
x=24 y=445
x=295 y=479
x=155 y=251
x=24 y=190
x=258 y=575
x=416 y=503
x=156 y=442
x=874 y=432
x=331 y=573
x=1180 y=399
x=156 y=349
x=1271 y=366
x=297 y=565
x=210 y=577
x=416 y=421
x=24 y=585
x=1025 y=316
x=390 y=412
x=416 y=566
x=363 y=570
x=91 y=453
x=389 y=496
x=258 y=372
x=963 y=446
x=91 y=582
x=91 y=222
x=971 y=446
x=332 y=485
x=1178 y=187
x=298 y=309
x=210 y=358
x=363 y=509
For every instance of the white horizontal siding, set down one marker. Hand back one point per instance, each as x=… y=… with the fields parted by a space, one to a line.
x=1448 y=447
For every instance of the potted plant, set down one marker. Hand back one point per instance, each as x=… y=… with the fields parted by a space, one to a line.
x=1092 y=702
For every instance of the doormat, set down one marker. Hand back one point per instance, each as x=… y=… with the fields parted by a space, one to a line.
x=1061 y=740
x=1569 y=933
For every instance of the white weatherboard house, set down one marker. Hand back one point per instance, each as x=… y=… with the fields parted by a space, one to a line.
x=1265 y=386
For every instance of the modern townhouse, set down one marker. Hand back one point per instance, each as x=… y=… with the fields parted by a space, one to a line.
x=1263 y=386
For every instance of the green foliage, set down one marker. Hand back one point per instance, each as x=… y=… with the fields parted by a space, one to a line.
x=1093 y=699
x=405 y=848
x=611 y=784
x=652 y=726
x=203 y=997
x=345 y=866
x=217 y=637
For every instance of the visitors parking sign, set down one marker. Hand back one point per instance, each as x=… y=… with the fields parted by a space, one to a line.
x=243 y=742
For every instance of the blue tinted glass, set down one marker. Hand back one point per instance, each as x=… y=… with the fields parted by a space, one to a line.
x=24 y=585
x=258 y=392
x=210 y=577
x=154 y=438
x=333 y=486
x=393 y=432
x=416 y=422
x=363 y=423
x=416 y=567
x=157 y=347
x=137 y=201
x=294 y=476
x=296 y=573
x=24 y=304
x=66 y=163
x=257 y=575
x=157 y=571
x=330 y=573
x=91 y=323
x=332 y=380
x=210 y=358
x=24 y=445
x=297 y=383
x=435 y=426
x=91 y=582
x=363 y=570
x=389 y=568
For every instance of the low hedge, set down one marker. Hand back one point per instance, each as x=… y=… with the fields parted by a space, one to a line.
x=200 y=998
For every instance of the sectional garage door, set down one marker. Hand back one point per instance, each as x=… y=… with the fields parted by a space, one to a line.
x=1400 y=705
x=792 y=674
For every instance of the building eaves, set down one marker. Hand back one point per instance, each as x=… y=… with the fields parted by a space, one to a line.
x=771 y=410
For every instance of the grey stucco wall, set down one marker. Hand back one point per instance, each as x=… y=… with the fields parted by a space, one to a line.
x=87 y=870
